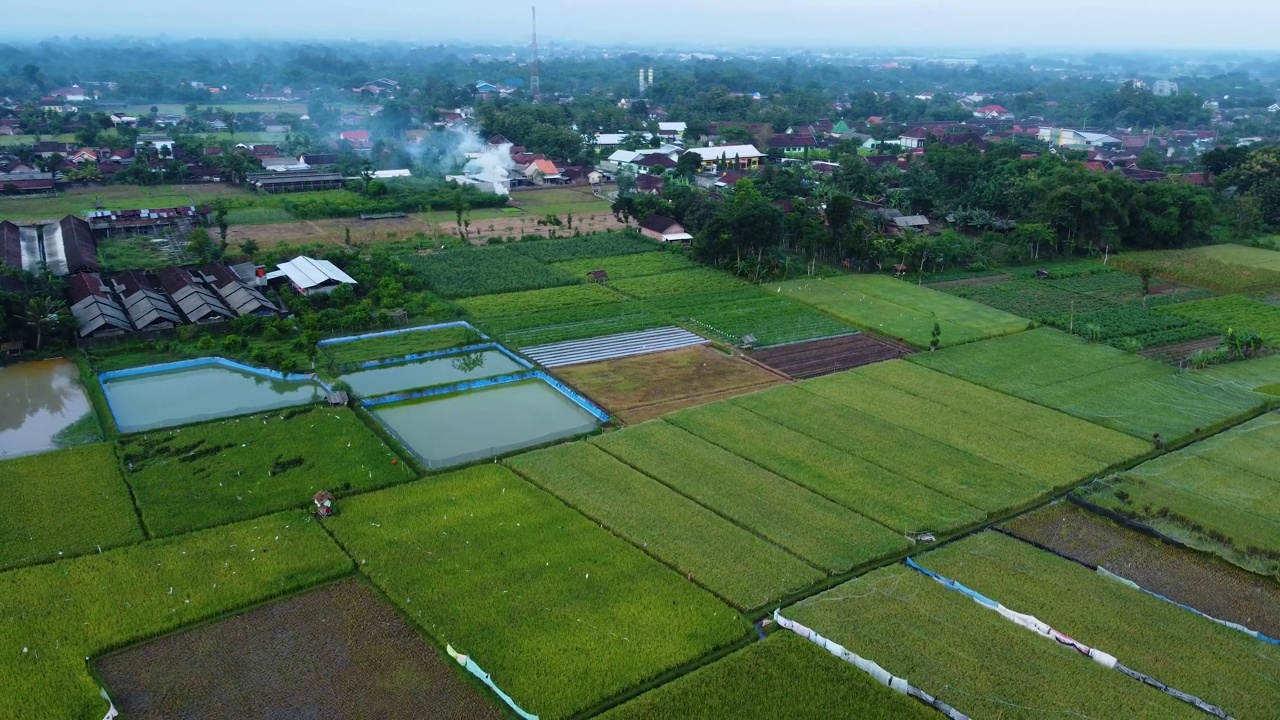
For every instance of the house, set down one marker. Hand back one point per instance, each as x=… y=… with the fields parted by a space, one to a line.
x=914 y=222
x=790 y=143
x=241 y=298
x=105 y=223
x=913 y=139
x=649 y=184
x=484 y=88
x=295 y=181
x=378 y=87
x=874 y=120
x=993 y=112
x=655 y=160
x=354 y=136
x=544 y=172
x=75 y=93
x=96 y=312
x=144 y=300
x=198 y=303
x=48 y=149
x=660 y=227
x=318 y=160
x=1076 y=139
x=729 y=179
x=1275 y=107
x=162 y=143
x=309 y=276
x=672 y=130
x=741 y=157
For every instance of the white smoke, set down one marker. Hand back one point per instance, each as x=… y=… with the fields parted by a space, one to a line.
x=492 y=163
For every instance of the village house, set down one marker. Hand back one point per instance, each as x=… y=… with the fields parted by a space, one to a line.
x=660 y=227
x=742 y=157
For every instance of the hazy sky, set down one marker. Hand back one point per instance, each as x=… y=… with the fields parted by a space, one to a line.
x=989 y=25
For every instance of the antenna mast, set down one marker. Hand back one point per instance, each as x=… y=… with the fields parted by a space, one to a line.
x=535 y=88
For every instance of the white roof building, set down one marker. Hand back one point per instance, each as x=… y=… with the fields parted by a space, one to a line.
x=672 y=128
x=310 y=276
x=728 y=152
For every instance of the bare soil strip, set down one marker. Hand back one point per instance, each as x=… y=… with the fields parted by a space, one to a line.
x=823 y=357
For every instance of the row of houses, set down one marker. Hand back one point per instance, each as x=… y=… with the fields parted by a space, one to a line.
x=64 y=247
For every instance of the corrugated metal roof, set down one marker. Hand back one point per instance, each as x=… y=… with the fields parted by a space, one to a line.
x=308 y=272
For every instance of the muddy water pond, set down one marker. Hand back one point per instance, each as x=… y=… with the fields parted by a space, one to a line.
x=38 y=401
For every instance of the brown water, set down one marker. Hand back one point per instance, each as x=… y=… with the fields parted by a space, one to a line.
x=37 y=401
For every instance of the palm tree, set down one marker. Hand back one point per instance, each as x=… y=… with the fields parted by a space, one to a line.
x=43 y=312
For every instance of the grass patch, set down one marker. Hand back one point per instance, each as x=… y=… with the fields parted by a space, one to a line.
x=901 y=310
x=54 y=616
x=64 y=503
x=126 y=253
x=258 y=216
x=486 y=271
x=597 y=245
x=1097 y=383
x=970 y=657
x=583 y=615
x=537 y=317
x=866 y=488
x=204 y=475
x=85 y=431
x=1217 y=664
x=803 y=522
x=742 y=568
x=1221 y=495
x=629 y=266
x=347 y=354
x=784 y=676
x=77 y=201
x=1225 y=268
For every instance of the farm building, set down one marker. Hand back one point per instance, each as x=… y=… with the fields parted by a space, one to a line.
x=65 y=247
x=105 y=223
x=10 y=244
x=96 y=312
x=294 y=181
x=309 y=276
x=144 y=300
x=660 y=227
x=199 y=304
x=25 y=183
x=242 y=298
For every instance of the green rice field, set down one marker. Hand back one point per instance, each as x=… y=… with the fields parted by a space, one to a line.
x=394 y=346
x=1221 y=495
x=901 y=310
x=562 y=614
x=1097 y=383
x=64 y=503
x=1220 y=665
x=1233 y=312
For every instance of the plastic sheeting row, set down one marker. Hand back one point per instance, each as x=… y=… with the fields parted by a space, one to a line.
x=1041 y=628
x=881 y=675
x=466 y=662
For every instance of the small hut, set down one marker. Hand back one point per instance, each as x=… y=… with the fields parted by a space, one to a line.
x=598 y=276
x=899 y=270
x=324 y=503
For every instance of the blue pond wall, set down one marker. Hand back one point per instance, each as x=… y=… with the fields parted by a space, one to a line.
x=565 y=390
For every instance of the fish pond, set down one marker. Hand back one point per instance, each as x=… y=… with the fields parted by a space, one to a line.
x=197 y=390
x=450 y=429
x=442 y=370
x=42 y=404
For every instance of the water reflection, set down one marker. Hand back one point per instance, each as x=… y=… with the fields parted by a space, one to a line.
x=468 y=363
x=37 y=401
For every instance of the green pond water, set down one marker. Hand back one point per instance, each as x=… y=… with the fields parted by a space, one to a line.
x=38 y=400
x=196 y=394
x=482 y=423
x=435 y=371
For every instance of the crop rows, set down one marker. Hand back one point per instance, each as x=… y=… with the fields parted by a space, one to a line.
x=537 y=301
x=969 y=657
x=583 y=616
x=1221 y=495
x=783 y=676
x=744 y=569
x=64 y=503
x=859 y=485
x=487 y=271
x=1235 y=312
x=54 y=616
x=1222 y=666
x=226 y=470
x=902 y=310
x=1081 y=379
x=750 y=311
x=684 y=282
x=629 y=266
x=586 y=246
x=1082 y=305
x=803 y=522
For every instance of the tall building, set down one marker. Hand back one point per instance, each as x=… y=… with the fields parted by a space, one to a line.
x=1165 y=88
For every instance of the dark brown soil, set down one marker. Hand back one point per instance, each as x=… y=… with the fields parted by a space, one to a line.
x=1210 y=585
x=823 y=357
x=335 y=652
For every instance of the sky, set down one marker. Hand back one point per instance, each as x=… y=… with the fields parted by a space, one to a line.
x=987 y=25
